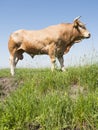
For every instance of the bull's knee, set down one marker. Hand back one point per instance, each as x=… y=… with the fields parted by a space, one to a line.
x=53 y=61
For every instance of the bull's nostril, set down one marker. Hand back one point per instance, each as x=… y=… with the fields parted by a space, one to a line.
x=89 y=35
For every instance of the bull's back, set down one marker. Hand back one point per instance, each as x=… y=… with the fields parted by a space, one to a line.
x=52 y=32
x=35 y=39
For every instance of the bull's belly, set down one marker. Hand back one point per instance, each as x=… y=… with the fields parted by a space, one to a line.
x=37 y=51
x=57 y=51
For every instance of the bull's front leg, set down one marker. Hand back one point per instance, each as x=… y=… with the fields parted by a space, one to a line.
x=52 y=57
x=61 y=61
x=53 y=63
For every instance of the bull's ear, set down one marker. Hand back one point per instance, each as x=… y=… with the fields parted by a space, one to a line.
x=76 y=21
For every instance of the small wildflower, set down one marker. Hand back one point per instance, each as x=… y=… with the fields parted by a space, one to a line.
x=65 y=94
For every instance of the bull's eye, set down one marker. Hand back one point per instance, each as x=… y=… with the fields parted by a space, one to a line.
x=82 y=27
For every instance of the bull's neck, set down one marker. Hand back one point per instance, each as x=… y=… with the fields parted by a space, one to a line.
x=71 y=34
x=75 y=36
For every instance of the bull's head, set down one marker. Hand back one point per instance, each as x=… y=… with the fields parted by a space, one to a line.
x=80 y=27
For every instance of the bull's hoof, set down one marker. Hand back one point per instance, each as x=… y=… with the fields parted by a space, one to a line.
x=63 y=69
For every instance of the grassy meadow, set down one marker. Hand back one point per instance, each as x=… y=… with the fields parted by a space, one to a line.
x=45 y=100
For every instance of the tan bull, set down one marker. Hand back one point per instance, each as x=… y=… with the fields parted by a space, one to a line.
x=54 y=41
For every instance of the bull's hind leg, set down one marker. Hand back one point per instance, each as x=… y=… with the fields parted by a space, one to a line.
x=12 y=65
x=18 y=56
x=16 y=61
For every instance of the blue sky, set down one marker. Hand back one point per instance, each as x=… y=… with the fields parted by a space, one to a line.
x=38 y=14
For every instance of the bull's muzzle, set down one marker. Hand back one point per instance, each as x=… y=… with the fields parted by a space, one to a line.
x=88 y=36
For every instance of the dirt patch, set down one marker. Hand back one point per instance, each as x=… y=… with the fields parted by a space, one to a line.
x=7 y=85
x=75 y=90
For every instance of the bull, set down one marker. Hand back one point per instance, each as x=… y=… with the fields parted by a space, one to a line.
x=54 y=41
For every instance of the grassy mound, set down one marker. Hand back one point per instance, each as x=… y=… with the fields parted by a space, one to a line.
x=42 y=100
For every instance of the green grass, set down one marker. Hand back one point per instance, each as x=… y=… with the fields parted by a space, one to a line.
x=52 y=101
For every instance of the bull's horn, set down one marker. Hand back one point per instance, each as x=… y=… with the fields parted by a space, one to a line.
x=77 y=18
